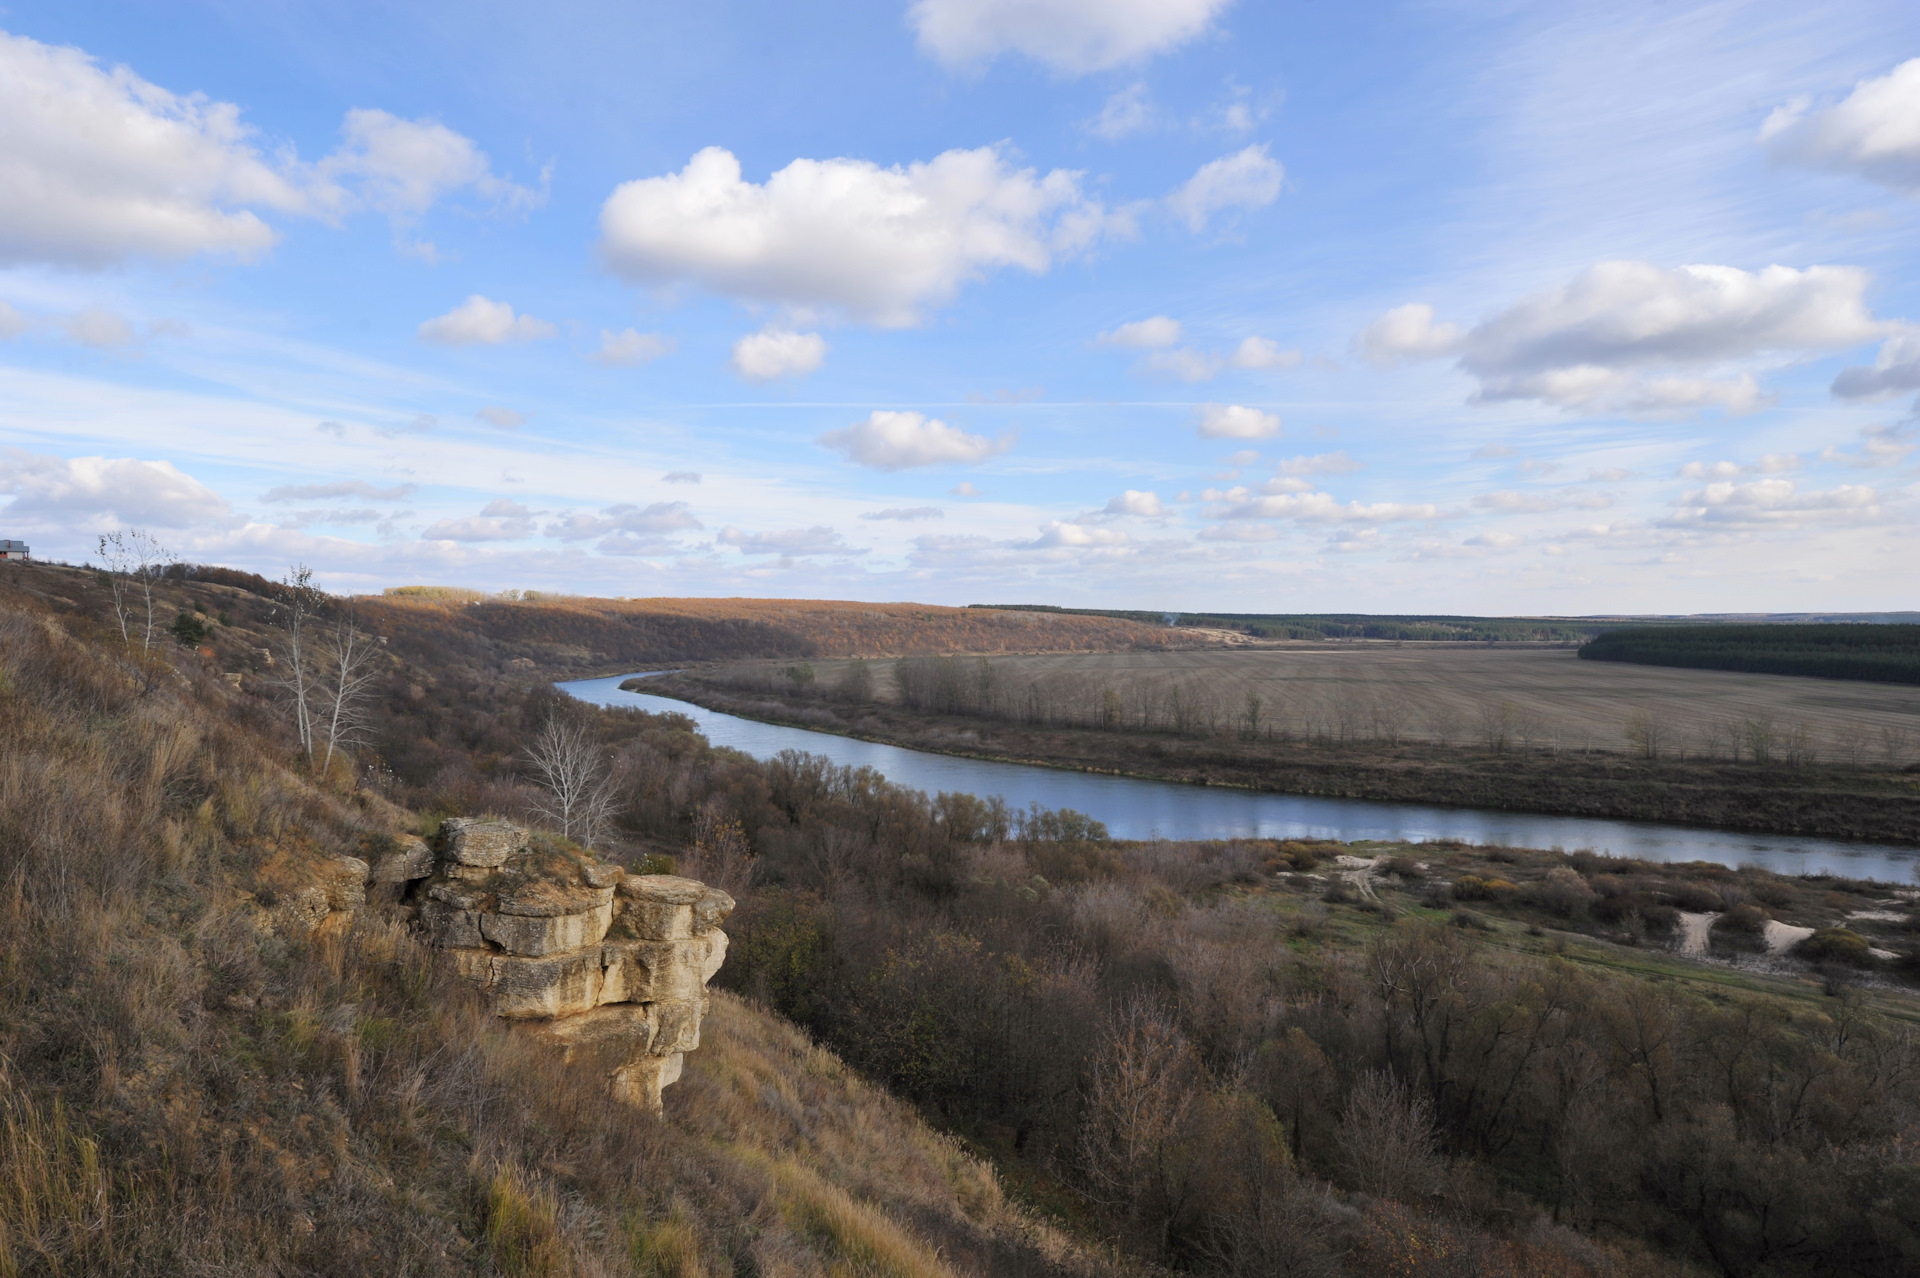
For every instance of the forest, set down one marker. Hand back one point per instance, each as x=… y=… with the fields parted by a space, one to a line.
x=1876 y=653
x=1262 y=625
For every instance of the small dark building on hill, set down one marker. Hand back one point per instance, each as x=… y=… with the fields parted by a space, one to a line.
x=13 y=549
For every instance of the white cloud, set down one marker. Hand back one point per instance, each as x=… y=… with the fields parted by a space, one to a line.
x=1134 y=502
x=1260 y=353
x=774 y=353
x=403 y=167
x=1234 y=421
x=504 y=418
x=1896 y=369
x=98 y=492
x=965 y=489
x=630 y=348
x=1316 y=507
x=1146 y=334
x=659 y=517
x=1248 y=179
x=681 y=477
x=12 y=322
x=883 y=244
x=1060 y=535
x=1489 y=451
x=1771 y=464
x=1407 y=333
x=500 y=520
x=1185 y=363
x=818 y=540
x=480 y=321
x=1127 y=111
x=1873 y=132
x=1879 y=446
x=1774 y=503
x=906 y=514
x=330 y=492
x=1596 y=342
x=1319 y=464
x=897 y=441
x=1071 y=36
x=100 y=165
x=1515 y=503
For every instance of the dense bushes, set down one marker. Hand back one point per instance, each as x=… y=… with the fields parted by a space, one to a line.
x=1879 y=653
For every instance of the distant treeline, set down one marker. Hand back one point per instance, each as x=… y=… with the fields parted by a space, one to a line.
x=1877 y=653
x=1268 y=625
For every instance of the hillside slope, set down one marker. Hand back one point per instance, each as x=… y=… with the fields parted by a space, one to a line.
x=191 y=1082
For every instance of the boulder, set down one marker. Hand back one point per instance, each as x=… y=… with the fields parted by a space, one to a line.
x=665 y=907
x=344 y=880
x=543 y=934
x=413 y=859
x=483 y=843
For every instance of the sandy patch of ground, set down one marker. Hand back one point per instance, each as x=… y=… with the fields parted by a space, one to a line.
x=1694 y=930
x=1782 y=937
x=1358 y=870
x=1879 y=916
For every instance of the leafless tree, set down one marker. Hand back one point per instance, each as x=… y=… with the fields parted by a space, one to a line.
x=1386 y=1139
x=1893 y=744
x=298 y=677
x=1646 y=734
x=134 y=559
x=579 y=794
x=345 y=685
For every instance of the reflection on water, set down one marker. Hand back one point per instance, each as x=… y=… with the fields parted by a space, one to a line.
x=1136 y=809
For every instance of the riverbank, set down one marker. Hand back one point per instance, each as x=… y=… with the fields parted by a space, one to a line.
x=1818 y=801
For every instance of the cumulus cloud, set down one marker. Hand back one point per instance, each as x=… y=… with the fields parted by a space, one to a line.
x=1319 y=464
x=330 y=492
x=1071 y=36
x=659 y=517
x=1774 y=503
x=1127 y=111
x=1235 y=421
x=1063 y=535
x=1147 y=334
x=1248 y=179
x=1407 y=333
x=775 y=353
x=1259 y=353
x=500 y=520
x=681 y=477
x=796 y=542
x=906 y=513
x=61 y=493
x=102 y=330
x=99 y=165
x=1874 y=132
x=1632 y=336
x=1771 y=464
x=630 y=348
x=1896 y=369
x=480 y=321
x=504 y=418
x=965 y=489
x=882 y=244
x=1134 y=502
x=1516 y=503
x=897 y=441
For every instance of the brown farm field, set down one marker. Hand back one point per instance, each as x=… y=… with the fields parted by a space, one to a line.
x=1539 y=697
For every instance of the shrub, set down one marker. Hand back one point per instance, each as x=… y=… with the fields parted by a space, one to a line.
x=1747 y=920
x=1696 y=899
x=1837 y=945
x=189 y=629
x=1563 y=891
x=1471 y=887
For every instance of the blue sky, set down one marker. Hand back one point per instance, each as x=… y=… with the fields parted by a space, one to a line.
x=1156 y=303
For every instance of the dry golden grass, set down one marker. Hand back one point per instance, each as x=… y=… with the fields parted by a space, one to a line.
x=1444 y=693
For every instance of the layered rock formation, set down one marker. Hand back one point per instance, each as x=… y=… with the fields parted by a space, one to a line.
x=610 y=967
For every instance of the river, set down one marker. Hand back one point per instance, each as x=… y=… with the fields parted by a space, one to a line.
x=1136 y=809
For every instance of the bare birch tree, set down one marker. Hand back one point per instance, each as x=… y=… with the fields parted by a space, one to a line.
x=299 y=603
x=579 y=796
x=344 y=686
x=134 y=560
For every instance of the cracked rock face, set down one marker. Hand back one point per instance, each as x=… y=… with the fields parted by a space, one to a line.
x=612 y=968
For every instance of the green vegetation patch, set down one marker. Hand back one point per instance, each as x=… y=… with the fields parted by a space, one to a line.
x=1876 y=653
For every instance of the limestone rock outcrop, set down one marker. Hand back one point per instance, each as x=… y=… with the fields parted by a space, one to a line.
x=610 y=967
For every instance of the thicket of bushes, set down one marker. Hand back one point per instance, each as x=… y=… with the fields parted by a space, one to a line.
x=1873 y=652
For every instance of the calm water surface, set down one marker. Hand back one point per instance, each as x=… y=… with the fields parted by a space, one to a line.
x=1136 y=809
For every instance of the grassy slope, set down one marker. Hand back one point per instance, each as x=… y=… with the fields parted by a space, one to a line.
x=181 y=1091
x=1818 y=801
